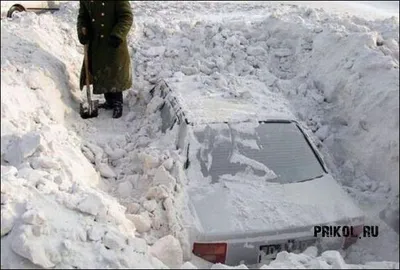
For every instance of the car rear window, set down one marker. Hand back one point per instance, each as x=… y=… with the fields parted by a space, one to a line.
x=277 y=152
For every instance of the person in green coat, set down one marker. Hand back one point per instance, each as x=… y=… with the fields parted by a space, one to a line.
x=104 y=26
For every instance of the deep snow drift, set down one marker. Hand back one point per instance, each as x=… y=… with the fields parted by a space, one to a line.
x=340 y=74
x=366 y=9
x=109 y=193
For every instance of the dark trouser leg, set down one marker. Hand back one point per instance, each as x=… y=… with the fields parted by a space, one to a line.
x=109 y=98
x=109 y=104
x=117 y=99
x=117 y=102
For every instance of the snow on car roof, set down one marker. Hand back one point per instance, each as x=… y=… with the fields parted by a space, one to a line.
x=215 y=99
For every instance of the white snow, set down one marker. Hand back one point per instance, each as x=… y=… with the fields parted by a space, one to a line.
x=169 y=251
x=163 y=177
x=231 y=102
x=241 y=159
x=150 y=205
x=275 y=207
x=125 y=189
x=106 y=193
x=142 y=222
x=368 y=9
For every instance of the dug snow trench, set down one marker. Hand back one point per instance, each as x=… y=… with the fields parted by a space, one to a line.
x=109 y=193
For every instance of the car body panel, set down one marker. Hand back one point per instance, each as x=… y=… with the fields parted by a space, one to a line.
x=30 y=5
x=250 y=214
x=247 y=250
x=243 y=210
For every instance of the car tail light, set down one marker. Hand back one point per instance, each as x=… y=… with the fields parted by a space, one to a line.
x=348 y=241
x=214 y=253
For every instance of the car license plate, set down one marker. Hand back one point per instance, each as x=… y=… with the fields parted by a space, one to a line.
x=269 y=252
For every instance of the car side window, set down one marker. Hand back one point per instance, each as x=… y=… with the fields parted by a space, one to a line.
x=168 y=117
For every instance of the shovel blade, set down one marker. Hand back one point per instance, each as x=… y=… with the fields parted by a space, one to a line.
x=84 y=110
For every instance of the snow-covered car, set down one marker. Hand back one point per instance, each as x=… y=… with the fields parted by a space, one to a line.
x=257 y=183
x=9 y=7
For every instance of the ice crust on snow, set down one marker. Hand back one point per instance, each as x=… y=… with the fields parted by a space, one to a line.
x=62 y=178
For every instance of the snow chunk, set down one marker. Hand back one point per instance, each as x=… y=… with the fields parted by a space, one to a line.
x=154 y=105
x=154 y=51
x=311 y=251
x=125 y=189
x=223 y=266
x=168 y=250
x=255 y=50
x=163 y=177
x=133 y=208
x=334 y=258
x=7 y=221
x=283 y=52
x=139 y=244
x=96 y=232
x=28 y=247
x=188 y=265
x=92 y=205
x=7 y=171
x=106 y=171
x=189 y=70
x=88 y=154
x=168 y=164
x=30 y=142
x=96 y=150
x=4 y=197
x=23 y=147
x=158 y=193
x=150 y=161
x=178 y=76
x=34 y=217
x=114 y=154
x=142 y=222
x=322 y=133
x=45 y=163
x=150 y=205
x=232 y=41
x=114 y=240
x=268 y=78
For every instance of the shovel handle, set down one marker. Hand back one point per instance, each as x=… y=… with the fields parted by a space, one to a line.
x=87 y=79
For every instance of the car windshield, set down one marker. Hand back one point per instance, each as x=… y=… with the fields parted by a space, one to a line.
x=275 y=152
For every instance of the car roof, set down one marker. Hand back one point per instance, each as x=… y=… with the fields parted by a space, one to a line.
x=202 y=100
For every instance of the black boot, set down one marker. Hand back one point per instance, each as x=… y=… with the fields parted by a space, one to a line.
x=118 y=103
x=117 y=113
x=106 y=106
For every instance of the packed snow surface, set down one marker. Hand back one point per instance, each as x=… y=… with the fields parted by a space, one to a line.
x=111 y=193
x=275 y=207
x=223 y=99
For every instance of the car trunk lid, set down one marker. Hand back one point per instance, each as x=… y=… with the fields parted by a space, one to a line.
x=233 y=209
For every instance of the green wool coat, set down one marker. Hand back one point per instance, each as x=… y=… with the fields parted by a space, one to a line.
x=110 y=68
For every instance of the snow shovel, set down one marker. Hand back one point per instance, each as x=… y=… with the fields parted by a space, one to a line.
x=91 y=109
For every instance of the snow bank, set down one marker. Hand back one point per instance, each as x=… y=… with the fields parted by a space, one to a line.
x=339 y=72
x=327 y=260
x=306 y=260
x=61 y=176
x=55 y=211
